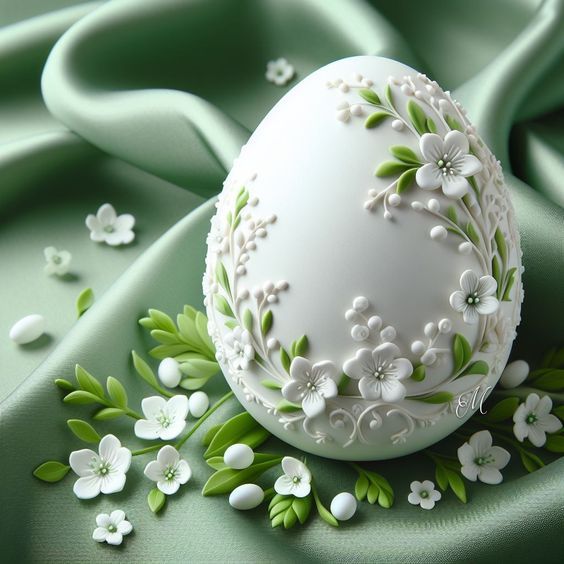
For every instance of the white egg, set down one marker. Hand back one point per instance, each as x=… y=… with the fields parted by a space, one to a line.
x=198 y=403
x=169 y=372
x=27 y=329
x=363 y=278
x=514 y=374
x=246 y=496
x=239 y=456
x=343 y=506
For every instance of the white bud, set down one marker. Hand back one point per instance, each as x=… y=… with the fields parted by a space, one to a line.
x=430 y=330
x=418 y=348
x=465 y=248
x=352 y=315
x=417 y=206
x=360 y=303
x=438 y=233
x=388 y=334
x=514 y=374
x=360 y=333
x=428 y=358
x=169 y=372
x=434 y=205
x=397 y=124
x=374 y=323
x=394 y=200
x=445 y=325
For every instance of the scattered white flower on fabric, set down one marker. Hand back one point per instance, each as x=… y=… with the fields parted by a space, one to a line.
x=296 y=479
x=103 y=471
x=423 y=494
x=107 y=227
x=169 y=471
x=165 y=419
x=111 y=528
x=476 y=297
x=533 y=420
x=58 y=262
x=279 y=72
x=480 y=460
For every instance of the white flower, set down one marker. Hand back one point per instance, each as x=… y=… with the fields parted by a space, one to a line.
x=165 y=419
x=107 y=227
x=169 y=471
x=380 y=372
x=100 y=472
x=296 y=480
x=311 y=385
x=218 y=236
x=423 y=494
x=533 y=420
x=346 y=110
x=111 y=528
x=476 y=297
x=241 y=351
x=279 y=72
x=58 y=262
x=448 y=163
x=481 y=460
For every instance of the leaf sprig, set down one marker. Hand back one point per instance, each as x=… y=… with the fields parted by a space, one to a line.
x=373 y=487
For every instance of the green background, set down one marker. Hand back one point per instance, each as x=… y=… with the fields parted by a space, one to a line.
x=145 y=104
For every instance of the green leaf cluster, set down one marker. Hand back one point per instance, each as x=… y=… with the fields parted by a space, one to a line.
x=374 y=488
x=287 y=510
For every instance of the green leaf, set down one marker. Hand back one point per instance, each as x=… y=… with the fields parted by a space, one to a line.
x=391 y=168
x=530 y=461
x=164 y=337
x=555 y=443
x=210 y=434
x=551 y=380
x=290 y=518
x=300 y=346
x=117 y=392
x=509 y=281
x=108 y=413
x=439 y=397
x=404 y=154
x=279 y=503
x=501 y=246
x=324 y=513
x=441 y=477
x=188 y=332
x=302 y=508
x=453 y=123
x=147 y=323
x=80 y=397
x=554 y=358
x=431 y=126
x=84 y=431
x=224 y=481
x=266 y=322
x=284 y=406
x=222 y=306
x=191 y=383
x=144 y=370
x=451 y=214
x=156 y=500
x=343 y=382
x=164 y=351
x=503 y=410
x=375 y=119
x=496 y=273
x=418 y=373
x=372 y=494
x=84 y=301
x=248 y=320
x=461 y=350
x=472 y=233
x=285 y=359
x=384 y=499
x=417 y=116
x=389 y=95
x=241 y=202
x=87 y=382
x=216 y=462
x=51 y=471
x=278 y=520
x=162 y=321
x=222 y=278
x=271 y=384
x=406 y=180
x=456 y=485
x=64 y=385
x=201 y=322
x=370 y=96
x=479 y=367
x=199 y=368
x=361 y=487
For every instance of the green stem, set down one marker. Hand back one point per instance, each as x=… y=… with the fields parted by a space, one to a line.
x=358 y=468
x=148 y=449
x=130 y=413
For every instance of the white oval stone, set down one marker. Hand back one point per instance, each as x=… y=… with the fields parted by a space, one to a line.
x=246 y=496
x=27 y=329
x=239 y=456
x=169 y=372
x=343 y=506
x=514 y=374
x=198 y=403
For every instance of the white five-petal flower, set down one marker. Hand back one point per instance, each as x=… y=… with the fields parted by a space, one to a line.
x=169 y=470
x=296 y=479
x=379 y=372
x=165 y=419
x=476 y=296
x=423 y=494
x=532 y=420
x=100 y=472
x=279 y=71
x=448 y=163
x=481 y=460
x=107 y=227
x=311 y=385
x=240 y=350
x=58 y=262
x=111 y=528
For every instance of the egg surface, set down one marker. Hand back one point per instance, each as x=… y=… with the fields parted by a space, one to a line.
x=363 y=274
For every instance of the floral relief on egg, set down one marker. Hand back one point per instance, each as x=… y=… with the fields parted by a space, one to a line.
x=349 y=326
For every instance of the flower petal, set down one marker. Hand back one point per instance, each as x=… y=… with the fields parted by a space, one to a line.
x=103 y=520
x=145 y=429
x=117 y=516
x=108 y=447
x=112 y=483
x=501 y=457
x=284 y=485
x=121 y=460
x=486 y=286
x=106 y=214
x=370 y=388
x=468 y=165
x=470 y=471
x=300 y=368
x=481 y=442
x=435 y=495
x=429 y=177
x=293 y=391
x=292 y=466
x=466 y=454
x=428 y=485
x=114 y=539
x=549 y=423
x=521 y=430
x=301 y=489
x=80 y=461
x=414 y=498
x=152 y=406
x=115 y=238
x=536 y=435
x=455 y=186
x=427 y=503
x=487 y=305
x=177 y=406
x=531 y=402
x=154 y=471
x=124 y=527
x=469 y=282
x=458 y=301
x=168 y=456
x=544 y=406
x=470 y=315
x=456 y=142
x=385 y=353
x=403 y=368
x=183 y=472
x=49 y=252
x=327 y=388
x=324 y=369
x=392 y=390
x=432 y=147
x=357 y=367
x=93 y=224
x=100 y=534
x=173 y=430
x=124 y=222
x=87 y=487
x=490 y=475
x=168 y=487
x=313 y=404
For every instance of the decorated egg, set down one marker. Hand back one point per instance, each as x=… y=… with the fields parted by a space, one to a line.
x=363 y=274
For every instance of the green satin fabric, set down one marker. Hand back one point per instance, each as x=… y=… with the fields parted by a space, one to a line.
x=145 y=104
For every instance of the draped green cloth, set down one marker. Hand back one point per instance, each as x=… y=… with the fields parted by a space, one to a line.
x=145 y=104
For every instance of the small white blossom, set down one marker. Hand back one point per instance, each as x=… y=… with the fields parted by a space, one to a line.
x=296 y=479
x=532 y=420
x=111 y=528
x=423 y=494
x=448 y=163
x=481 y=460
x=107 y=227
x=103 y=471
x=476 y=296
x=311 y=385
x=279 y=72
x=58 y=262
x=165 y=419
x=169 y=470
x=240 y=350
